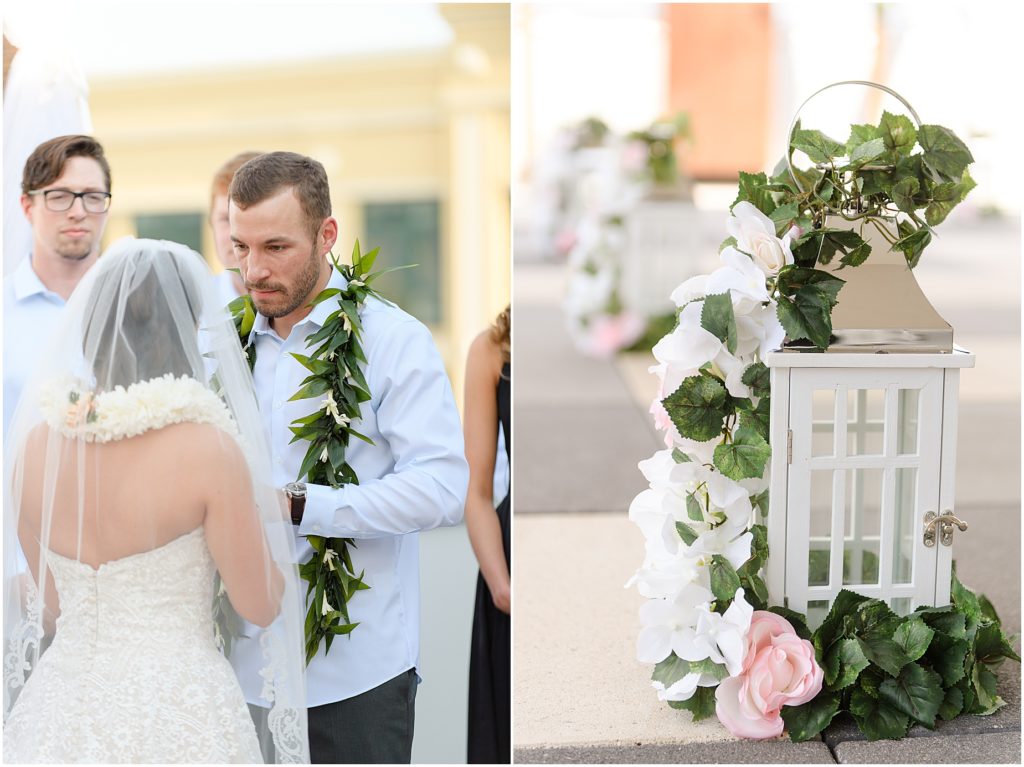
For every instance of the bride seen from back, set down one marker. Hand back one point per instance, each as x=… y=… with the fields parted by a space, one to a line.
x=134 y=475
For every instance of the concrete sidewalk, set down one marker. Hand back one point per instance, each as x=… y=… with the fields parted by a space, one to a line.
x=579 y=694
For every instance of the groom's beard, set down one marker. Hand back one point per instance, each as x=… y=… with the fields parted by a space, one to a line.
x=287 y=299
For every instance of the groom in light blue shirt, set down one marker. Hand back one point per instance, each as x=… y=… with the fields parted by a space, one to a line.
x=361 y=694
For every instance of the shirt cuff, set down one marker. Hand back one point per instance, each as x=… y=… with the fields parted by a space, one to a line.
x=318 y=516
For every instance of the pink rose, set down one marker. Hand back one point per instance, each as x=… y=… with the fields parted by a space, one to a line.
x=779 y=670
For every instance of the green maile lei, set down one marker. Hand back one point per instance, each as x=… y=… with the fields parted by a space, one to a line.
x=334 y=363
x=888 y=672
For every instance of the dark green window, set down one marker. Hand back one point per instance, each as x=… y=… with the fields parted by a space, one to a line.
x=186 y=228
x=407 y=233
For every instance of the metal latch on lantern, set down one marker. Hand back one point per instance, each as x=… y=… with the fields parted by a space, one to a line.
x=789 y=446
x=945 y=523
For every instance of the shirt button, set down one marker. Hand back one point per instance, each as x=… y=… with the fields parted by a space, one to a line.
x=278 y=405
x=278 y=459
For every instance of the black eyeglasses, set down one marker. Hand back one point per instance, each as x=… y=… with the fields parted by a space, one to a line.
x=60 y=200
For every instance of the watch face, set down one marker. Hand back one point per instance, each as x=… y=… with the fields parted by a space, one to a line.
x=295 y=489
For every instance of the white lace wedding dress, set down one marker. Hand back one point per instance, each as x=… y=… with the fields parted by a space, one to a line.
x=133 y=674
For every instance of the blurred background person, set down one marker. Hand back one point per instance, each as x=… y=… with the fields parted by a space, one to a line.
x=487 y=409
x=228 y=283
x=65 y=196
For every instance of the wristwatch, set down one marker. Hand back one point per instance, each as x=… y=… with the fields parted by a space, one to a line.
x=295 y=492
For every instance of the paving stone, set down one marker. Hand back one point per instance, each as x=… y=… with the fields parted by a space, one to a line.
x=576 y=458
x=995 y=748
x=729 y=752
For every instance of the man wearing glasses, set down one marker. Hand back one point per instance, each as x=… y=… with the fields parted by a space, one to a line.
x=65 y=195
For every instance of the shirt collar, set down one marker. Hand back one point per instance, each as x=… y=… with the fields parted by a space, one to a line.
x=27 y=283
x=315 y=318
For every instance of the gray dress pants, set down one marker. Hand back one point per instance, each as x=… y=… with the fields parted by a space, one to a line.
x=375 y=727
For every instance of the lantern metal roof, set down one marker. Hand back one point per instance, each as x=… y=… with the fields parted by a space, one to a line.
x=881 y=308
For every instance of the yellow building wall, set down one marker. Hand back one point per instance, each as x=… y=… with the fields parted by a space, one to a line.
x=396 y=127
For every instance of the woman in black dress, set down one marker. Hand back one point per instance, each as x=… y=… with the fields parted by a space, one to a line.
x=488 y=403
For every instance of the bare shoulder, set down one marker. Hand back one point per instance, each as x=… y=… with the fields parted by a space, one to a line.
x=203 y=446
x=485 y=354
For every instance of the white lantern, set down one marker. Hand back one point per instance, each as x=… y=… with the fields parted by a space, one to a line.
x=863 y=443
x=661 y=232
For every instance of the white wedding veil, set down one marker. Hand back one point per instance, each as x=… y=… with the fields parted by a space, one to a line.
x=138 y=427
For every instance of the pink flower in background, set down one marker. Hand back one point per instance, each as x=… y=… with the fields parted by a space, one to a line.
x=779 y=670
x=565 y=241
x=609 y=333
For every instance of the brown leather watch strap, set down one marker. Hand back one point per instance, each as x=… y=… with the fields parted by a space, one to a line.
x=296 y=505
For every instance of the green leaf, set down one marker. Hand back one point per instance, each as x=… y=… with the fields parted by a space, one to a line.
x=846 y=660
x=913 y=636
x=784 y=216
x=315 y=388
x=861 y=134
x=708 y=667
x=946 y=620
x=686 y=533
x=724 y=580
x=680 y=457
x=752 y=189
x=964 y=599
x=755 y=590
x=694 y=510
x=952 y=196
x=898 y=132
x=952 y=704
x=884 y=653
x=857 y=256
x=832 y=628
x=983 y=682
x=917 y=692
x=991 y=644
x=698 y=407
x=760 y=502
x=816 y=145
x=701 y=704
x=758 y=378
x=805 y=721
x=792 y=278
x=947 y=657
x=745 y=457
x=864 y=153
x=944 y=154
x=808 y=315
x=912 y=242
x=670 y=670
x=987 y=609
x=903 y=194
x=717 y=317
x=876 y=718
x=759 y=419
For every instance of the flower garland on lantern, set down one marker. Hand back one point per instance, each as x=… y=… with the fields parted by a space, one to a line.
x=717 y=646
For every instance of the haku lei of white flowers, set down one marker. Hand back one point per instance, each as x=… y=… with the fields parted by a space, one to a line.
x=74 y=410
x=680 y=616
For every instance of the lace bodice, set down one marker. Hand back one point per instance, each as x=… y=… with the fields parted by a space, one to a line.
x=122 y=601
x=133 y=674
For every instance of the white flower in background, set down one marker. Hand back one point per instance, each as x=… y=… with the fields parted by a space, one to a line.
x=755 y=235
x=722 y=638
x=668 y=624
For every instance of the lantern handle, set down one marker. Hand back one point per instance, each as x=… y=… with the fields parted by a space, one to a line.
x=796 y=117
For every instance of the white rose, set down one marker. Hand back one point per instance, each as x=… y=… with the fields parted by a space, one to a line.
x=755 y=235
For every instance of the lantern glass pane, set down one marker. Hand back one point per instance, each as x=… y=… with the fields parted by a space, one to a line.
x=903 y=525
x=906 y=435
x=819 y=556
x=862 y=526
x=823 y=417
x=817 y=611
x=902 y=605
x=865 y=421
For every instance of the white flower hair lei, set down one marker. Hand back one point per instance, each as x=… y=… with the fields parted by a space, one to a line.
x=72 y=409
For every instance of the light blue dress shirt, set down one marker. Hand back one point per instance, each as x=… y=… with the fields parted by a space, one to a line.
x=413 y=478
x=31 y=315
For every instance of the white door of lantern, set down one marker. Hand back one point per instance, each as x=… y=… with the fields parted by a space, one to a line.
x=866 y=449
x=863 y=441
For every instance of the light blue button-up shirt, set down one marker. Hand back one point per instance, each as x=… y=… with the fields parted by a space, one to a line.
x=31 y=315
x=413 y=478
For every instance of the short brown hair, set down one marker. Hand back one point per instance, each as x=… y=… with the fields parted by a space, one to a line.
x=264 y=176
x=226 y=172
x=501 y=333
x=46 y=163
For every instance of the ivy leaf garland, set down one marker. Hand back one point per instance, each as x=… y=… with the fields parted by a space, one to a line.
x=893 y=176
x=334 y=363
